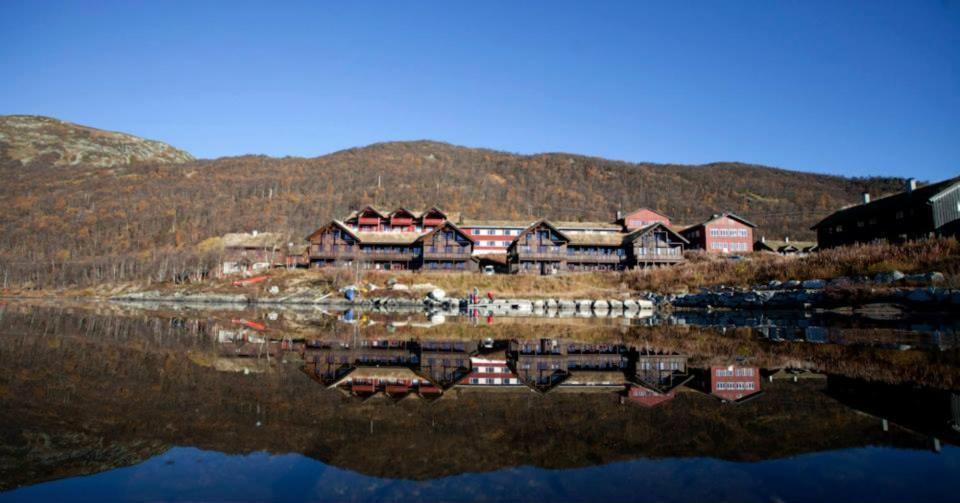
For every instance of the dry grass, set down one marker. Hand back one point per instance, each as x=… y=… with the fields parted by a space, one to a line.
x=863 y=260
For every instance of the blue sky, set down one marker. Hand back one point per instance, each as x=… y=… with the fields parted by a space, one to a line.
x=854 y=88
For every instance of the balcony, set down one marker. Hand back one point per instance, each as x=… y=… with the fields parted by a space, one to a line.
x=546 y=253
x=595 y=258
x=666 y=256
x=442 y=254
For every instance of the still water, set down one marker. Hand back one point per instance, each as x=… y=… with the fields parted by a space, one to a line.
x=118 y=403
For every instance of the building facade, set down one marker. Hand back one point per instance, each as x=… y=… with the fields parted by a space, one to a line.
x=915 y=213
x=722 y=233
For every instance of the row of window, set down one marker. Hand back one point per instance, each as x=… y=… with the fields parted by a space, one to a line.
x=721 y=245
x=494 y=232
x=739 y=372
x=493 y=380
x=721 y=232
x=735 y=386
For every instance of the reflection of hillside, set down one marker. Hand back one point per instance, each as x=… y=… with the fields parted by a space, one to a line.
x=130 y=385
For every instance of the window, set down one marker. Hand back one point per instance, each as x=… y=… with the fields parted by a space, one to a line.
x=900 y=215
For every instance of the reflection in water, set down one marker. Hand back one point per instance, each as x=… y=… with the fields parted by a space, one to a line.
x=566 y=409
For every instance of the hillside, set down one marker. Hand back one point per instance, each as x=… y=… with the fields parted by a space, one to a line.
x=94 y=220
x=43 y=140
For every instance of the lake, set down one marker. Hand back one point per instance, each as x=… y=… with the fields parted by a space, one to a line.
x=163 y=402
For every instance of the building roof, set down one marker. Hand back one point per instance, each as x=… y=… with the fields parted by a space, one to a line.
x=252 y=240
x=633 y=235
x=452 y=226
x=916 y=197
x=596 y=238
x=567 y=225
x=718 y=216
x=365 y=372
x=594 y=378
x=544 y=222
x=513 y=224
x=644 y=208
x=333 y=223
x=782 y=246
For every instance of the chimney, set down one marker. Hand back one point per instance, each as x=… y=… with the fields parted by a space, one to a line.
x=866 y=197
x=763 y=239
x=786 y=239
x=911 y=184
x=619 y=214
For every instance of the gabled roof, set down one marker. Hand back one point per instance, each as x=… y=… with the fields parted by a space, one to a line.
x=388 y=238
x=432 y=209
x=544 y=222
x=916 y=197
x=365 y=372
x=783 y=246
x=447 y=224
x=642 y=208
x=333 y=223
x=633 y=235
x=412 y=213
x=596 y=238
x=568 y=225
x=718 y=216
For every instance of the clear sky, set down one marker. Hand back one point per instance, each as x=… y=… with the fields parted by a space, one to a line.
x=854 y=88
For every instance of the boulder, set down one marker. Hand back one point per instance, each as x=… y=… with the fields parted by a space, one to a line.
x=888 y=277
x=630 y=305
x=814 y=284
x=566 y=305
x=616 y=305
x=438 y=294
x=773 y=284
x=792 y=284
x=935 y=277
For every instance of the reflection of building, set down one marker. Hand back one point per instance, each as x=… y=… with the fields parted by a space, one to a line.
x=328 y=361
x=545 y=363
x=445 y=362
x=394 y=382
x=646 y=395
x=245 y=342
x=490 y=370
x=734 y=383
x=659 y=369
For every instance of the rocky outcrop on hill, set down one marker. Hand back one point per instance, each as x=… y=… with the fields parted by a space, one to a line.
x=34 y=139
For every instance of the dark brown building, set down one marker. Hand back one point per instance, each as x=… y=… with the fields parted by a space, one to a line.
x=915 y=213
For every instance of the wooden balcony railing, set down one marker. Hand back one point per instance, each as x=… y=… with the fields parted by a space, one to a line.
x=597 y=258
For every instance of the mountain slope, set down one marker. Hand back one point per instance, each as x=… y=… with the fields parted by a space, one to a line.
x=65 y=223
x=30 y=138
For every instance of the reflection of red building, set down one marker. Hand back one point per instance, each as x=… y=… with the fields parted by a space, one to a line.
x=734 y=383
x=648 y=397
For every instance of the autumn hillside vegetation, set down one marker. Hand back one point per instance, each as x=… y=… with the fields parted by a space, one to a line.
x=942 y=255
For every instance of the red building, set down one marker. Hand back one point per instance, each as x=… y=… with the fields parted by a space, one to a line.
x=647 y=396
x=734 y=383
x=491 y=369
x=492 y=236
x=722 y=233
x=641 y=218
